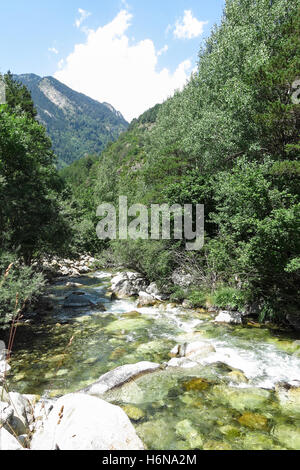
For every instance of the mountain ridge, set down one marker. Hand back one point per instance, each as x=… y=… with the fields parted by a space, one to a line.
x=77 y=124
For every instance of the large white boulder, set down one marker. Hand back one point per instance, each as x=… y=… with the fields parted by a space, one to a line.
x=229 y=317
x=83 y=422
x=127 y=284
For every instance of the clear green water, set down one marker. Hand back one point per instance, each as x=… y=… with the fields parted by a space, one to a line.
x=67 y=350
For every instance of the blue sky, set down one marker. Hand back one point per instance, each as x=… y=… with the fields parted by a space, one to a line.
x=130 y=53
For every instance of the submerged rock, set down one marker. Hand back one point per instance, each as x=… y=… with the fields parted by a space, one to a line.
x=289 y=398
x=237 y=377
x=130 y=324
x=77 y=301
x=119 y=376
x=288 y=435
x=241 y=399
x=253 y=421
x=82 y=422
x=186 y=430
x=196 y=384
x=133 y=412
x=216 y=445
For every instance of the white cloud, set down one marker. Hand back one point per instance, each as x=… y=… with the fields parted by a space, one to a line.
x=108 y=68
x=163 y=50
x=83 y=16
x=189 y=27
x=53 y=49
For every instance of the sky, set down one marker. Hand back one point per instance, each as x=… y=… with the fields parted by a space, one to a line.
x=129 y=53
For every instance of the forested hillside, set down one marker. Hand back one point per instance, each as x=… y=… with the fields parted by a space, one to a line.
x=229 y=140
x=76 y=124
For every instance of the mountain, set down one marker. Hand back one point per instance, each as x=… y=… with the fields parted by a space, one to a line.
x=77 y=124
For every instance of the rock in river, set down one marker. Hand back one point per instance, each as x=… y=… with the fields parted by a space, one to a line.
x=119 y=376
x=82 y=422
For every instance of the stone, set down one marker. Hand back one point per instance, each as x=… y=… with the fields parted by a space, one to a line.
x=237 y=377
x=155 y=292
x=216 y=445
x=294 y=321
x=127 y=325
x=229 y=317
x=187 y=303
x=181 y=278
x=119 y=376
x=288 y=435
x=182 y=362
x=186 y=430
x=83 y=422
x=77 y=301
x=133 y=412
x=193 y=351
x=6 y=414
x=128 y=284
x=198 y=384
x=289 y=398
x=145 y=300
x=253 y=421
x=8 y=441
x=241 y=399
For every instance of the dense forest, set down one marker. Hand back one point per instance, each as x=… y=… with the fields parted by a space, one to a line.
x=76 y=124
x=228 y=140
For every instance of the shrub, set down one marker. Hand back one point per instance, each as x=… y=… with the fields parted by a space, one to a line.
x=19 y=285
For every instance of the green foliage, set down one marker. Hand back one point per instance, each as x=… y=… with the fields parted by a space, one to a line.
x=230 y=298
x=198 y=298
x=76 y=124
x=153 y=259
x=228 y=140
x=19 y=285
x=18 y=97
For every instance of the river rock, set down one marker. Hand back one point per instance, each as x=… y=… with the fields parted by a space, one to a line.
x=128 y=284
x=133 y=412
x=153 y=290
x=193 y=351
x=119 y=376
x=77 y=301
x=22 y=411
x=254 y=421
x=181 y=278
x=8 y=441
x=288 y=435
x=186 y=430
x=294 y=321
x=241 y=399
x=83 y=422
x=289 y=398
x=226 y=316
x=145 y=300
x=238 y=377
x=6 y=414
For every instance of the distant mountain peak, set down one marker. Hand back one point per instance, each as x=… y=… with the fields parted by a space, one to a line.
x=77 y=124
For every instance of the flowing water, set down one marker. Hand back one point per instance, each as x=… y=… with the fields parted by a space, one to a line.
x=178 y=408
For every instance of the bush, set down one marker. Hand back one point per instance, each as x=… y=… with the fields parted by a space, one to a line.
x=19 y=285
x=231 y=298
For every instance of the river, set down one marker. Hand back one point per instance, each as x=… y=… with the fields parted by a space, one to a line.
x=203 y=407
